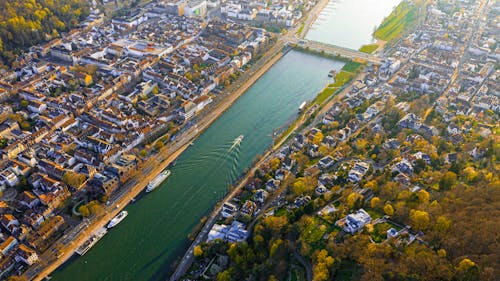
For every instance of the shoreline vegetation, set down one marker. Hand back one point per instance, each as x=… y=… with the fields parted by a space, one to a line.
x=369 y=48
x=348 y=72
x=401 y=19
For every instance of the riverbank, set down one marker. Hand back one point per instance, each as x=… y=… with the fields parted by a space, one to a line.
x=401 y=19
x=314 y=13
x=160 y=161
x=299 y=125
x=110 y=212
x=375 y=47
x=187 y=259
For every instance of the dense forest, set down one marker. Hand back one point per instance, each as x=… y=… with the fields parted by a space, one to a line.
x=24 y=23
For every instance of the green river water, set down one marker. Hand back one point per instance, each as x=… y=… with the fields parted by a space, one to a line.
x=145 y=244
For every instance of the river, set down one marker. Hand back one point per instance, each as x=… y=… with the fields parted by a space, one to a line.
x=147 y=242
x=350 y=23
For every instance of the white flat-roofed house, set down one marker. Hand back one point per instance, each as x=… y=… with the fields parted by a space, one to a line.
x=356 y=221
x=231 y=233
x=358 y=171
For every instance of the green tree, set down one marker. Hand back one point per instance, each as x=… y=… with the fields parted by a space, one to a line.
x=299 y=186
x=198 y=251
x=388 y=209
x=447 y=181
x=442 y=224
x=467 y=270
x=155 y=90
x=423 y=196
x=419 y=219
x=3 y=143
x=23 y=104
x=28 y=22
x=224 y=276
x=84 y=211
x=375 y=202
x=275 y=163
x=470 y=174
x=318 y=137
x=95 y=208
x=158 y=145
x=354 y=200
x=322 y=263
x=74 y=179
x=26 y=126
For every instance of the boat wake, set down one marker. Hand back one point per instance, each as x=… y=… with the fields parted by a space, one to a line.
x=234 y=148
x=236 y=142
x=220 y=155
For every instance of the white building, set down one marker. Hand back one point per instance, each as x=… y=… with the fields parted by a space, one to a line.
x=231 y=233
x=196 y=8
x=358 y=171
x=356 y=221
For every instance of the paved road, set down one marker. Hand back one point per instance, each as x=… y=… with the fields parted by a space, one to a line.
x=307 y=265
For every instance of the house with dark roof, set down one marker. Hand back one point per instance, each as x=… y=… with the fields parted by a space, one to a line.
x=26 y=255
x=326 y=162
x=260 y=196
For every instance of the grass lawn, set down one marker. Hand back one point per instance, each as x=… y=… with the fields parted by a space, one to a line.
x=403 y=16
x=375 y=215
x=369 y=48
x=288 y=130
x=379 y=233
x=314 y=231
x=280 y=212
x=327 y=92
x=351 y=66
x=341 y=79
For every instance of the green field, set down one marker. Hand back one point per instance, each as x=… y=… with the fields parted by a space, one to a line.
x=368 y=48
x=327 y=92
x=401 y=18
x=352 y=66
x=342 y=78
